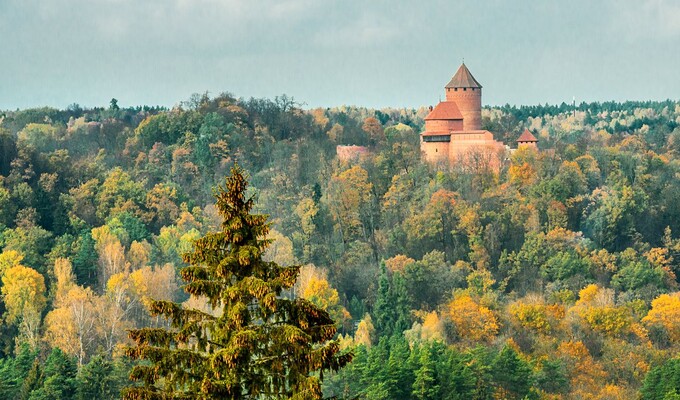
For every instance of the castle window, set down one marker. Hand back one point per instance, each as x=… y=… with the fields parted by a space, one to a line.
x=464 y=89
x=437 y=138
x=455 y=89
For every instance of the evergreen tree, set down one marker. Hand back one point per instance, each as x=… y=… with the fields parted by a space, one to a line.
x=13 y=371
x=553 y=377
x=456 y=379
x=349 y=383
x=402 y=304
x=662 y=381
x=399 y=374
x=59 y=378
x=511 y=374
x=256 y=343
x=32 y=382
x=85 y=260
x=425 y=386
x=98 y=380
x=375 y=372
x=383 y=310
x=391 y=308
x=479 y=362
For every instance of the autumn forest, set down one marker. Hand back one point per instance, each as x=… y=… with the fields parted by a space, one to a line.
x=556 y=276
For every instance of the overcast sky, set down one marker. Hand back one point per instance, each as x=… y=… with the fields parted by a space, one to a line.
x=370 y=53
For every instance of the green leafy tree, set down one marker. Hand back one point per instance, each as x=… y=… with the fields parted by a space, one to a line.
x=256 y=343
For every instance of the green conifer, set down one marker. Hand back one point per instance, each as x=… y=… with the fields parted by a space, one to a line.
x=257 y=343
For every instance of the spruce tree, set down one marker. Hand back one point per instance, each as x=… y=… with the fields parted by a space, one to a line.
x=97 y=380
x=392 y=308
x=258 y=343
x=59 y=378
x=425 y=386
x=399 y=374
x=512 y=375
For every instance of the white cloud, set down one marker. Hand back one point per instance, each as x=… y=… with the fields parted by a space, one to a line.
x=367 y=31
x=645 y=19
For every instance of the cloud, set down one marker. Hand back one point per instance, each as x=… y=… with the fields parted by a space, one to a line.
x=368 y=31
x=646 y=19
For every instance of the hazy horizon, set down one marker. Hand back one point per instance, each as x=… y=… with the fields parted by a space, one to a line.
x=331 y=53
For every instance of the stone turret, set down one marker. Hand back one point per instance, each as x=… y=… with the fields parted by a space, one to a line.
x=527 y=139
x=466 y=92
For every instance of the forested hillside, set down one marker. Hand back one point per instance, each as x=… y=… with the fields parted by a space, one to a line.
x=556 y=277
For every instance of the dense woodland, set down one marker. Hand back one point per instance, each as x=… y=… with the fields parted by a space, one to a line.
x=556 y=277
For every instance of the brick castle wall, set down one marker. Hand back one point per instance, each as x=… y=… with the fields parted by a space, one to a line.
x=443 y=125
x=469 y=103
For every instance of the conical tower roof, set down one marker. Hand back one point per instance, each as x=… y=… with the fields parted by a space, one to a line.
x=527 y=136
x=463 y=79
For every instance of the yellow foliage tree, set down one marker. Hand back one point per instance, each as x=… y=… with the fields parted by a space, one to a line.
x=313 y=285
x=280 y=250
x=433 y=327
x=660 y=257
x=113 y=310
x=522 y=174
x=111 y=254
x=71 y=325
x=473 y=322
x=65 y=279
x=365 y=333
x=665 y=312
x=139 y=254
x=9 y=259
x=157 y=283
x=596 y=307
x=349 y=196
x=540 y=318
x=398 y=263
x=23 y=290
x=612 y=392
x=586 y=374
x=609 y=320
x=587 y=294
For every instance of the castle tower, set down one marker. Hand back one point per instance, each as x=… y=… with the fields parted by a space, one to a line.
x=527 y=139
x=466 y=92
x=453 y=129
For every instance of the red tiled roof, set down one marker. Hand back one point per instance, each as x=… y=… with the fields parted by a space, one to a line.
x=463 y=79
x=526 y=136
x=445 y=110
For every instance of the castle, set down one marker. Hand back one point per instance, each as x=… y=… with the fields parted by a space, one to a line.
x=453 y=129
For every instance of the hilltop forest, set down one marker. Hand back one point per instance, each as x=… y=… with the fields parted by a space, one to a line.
x=556 y=277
